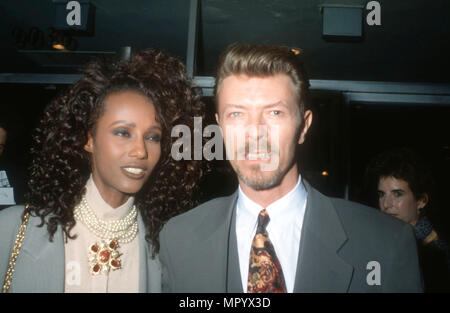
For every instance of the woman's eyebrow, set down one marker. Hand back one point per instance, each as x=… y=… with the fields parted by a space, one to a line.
x=155 y=127
x=397 y=190
x=131 y=124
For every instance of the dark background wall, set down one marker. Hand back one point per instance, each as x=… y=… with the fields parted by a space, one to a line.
x=411 y=45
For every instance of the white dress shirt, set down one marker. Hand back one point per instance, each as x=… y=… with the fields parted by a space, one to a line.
x=284 y=229
x=77 y=274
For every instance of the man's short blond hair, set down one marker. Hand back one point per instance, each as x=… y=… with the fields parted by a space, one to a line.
x=263 y=61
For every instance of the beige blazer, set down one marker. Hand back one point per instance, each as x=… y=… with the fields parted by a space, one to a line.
x=40 y=265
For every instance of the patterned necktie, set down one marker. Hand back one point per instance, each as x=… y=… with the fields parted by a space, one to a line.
x=264 y=274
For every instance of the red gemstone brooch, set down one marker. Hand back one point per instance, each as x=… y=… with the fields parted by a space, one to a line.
x=104 y=257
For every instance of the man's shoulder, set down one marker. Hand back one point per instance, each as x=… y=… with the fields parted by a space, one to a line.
x=201 y=212
x=356 y=215
x=355 y=209
x=360 y=217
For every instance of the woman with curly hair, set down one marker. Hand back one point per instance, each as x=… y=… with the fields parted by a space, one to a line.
x=103 y=182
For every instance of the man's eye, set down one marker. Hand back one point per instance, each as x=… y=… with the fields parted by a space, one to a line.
x=275 y=112
x=380 y=194
x=235 y=114
x=398 y=193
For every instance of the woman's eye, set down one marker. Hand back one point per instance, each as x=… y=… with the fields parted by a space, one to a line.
x=154 y=137
x=121 y=132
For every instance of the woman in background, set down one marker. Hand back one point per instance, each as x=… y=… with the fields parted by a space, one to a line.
x=404 y=184
x=103 y=182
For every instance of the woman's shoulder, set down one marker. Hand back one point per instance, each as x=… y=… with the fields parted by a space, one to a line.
x=11 y=217
x=10 y=221
x=11 y=213
x=426 y=234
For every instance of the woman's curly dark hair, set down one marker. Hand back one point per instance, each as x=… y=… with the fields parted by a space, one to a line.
x=61 y=167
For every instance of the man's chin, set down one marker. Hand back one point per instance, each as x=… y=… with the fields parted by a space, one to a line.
x=258 y=181
x=258 y=186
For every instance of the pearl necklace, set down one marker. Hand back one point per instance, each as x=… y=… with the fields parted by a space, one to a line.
x=123 y=230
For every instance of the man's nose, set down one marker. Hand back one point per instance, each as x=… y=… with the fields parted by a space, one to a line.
x=258 y=126
x=138 y=149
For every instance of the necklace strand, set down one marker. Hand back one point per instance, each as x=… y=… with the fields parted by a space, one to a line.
x=124 y=230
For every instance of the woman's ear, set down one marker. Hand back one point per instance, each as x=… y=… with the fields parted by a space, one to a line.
x=89 y=146
x=422 y=201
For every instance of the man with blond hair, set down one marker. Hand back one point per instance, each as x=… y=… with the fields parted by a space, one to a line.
x=277 y=233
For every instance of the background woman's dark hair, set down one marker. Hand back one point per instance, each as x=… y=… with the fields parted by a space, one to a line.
x=401 y=163
x=6 y=130
x=3 y=125
x=60 y=166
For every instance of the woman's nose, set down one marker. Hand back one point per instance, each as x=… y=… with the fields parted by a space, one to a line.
x=139 y=150
x=387 y=202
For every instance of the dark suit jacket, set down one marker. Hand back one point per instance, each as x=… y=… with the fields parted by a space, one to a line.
x=338 y=240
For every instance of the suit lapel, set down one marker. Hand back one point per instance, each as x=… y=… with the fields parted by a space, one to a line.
x=234 y=282
x=40 y=265
x=319 y=267
x=213 y=244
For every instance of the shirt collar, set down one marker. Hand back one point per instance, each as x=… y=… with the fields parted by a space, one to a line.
x=280 y=207
x=102 y=209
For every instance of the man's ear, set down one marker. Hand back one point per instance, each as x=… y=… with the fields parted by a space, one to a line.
x=89 y=146
x=307 y=120
x=217 y=118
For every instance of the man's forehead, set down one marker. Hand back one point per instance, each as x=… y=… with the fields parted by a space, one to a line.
x=260 y=105
x=275 y=79
x=257 y=91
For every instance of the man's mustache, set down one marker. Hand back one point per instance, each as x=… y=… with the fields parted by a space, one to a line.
x=257 y=147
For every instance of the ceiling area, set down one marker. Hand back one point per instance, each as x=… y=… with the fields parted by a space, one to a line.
x=412 y=44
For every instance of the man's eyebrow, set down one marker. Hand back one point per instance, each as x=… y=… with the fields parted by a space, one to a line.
x=235 y=106
x=279 y=103
x=270 y=105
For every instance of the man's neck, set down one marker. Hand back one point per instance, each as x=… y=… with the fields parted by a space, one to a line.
x=266 y=197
